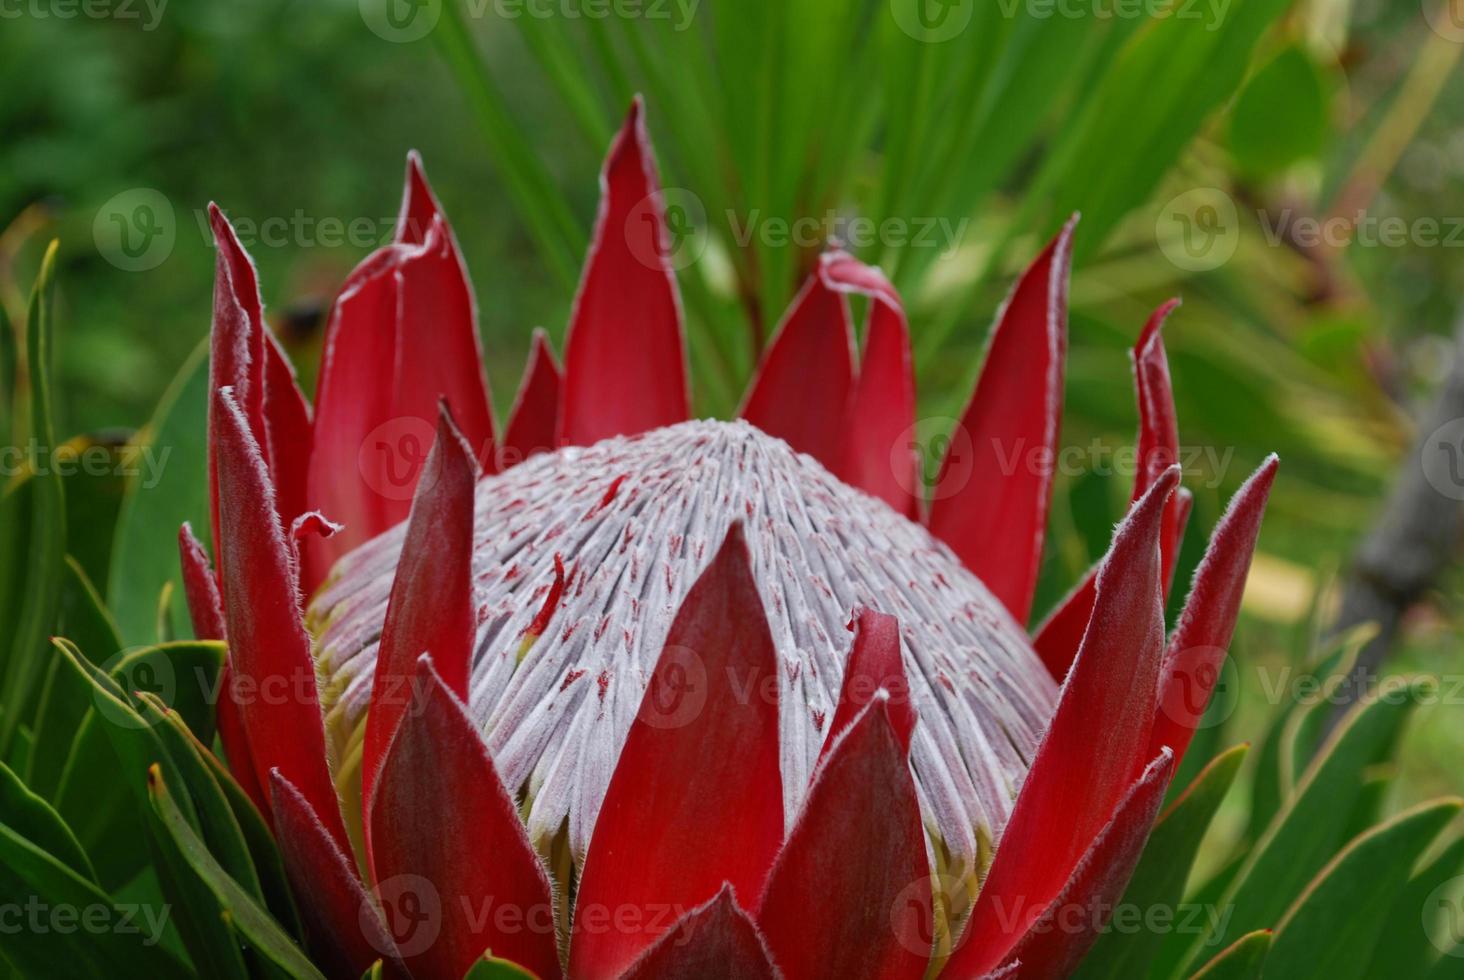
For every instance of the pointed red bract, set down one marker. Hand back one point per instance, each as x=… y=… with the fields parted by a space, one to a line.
x=235 y=739
x=874 y=664
x=200 y=587
x=625 y=357
x=878 y=453
x=713 y=940
x=403 y=334
x=289 y=433
x=1097 y=743
x=431 y=605
x=696 y=797
x=1197 y=650
x=802 y=387
x=1057 y=939
x=534 y=420
x=1185 y=505
x=419 y=205
x=1056 y=640
x=440 y=813
x=268 y=647
x=343 y=922
x=995 y=484
x=236 y=348
x=850 y=894
x=1158 y=442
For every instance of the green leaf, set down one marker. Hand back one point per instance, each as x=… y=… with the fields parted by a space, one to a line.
x=1281 y=115
x=46 y=544
x=1241 y=960
x=64 y=697
x=263 y=853
x=102 y=791
x=1405 y=948
x=185 y=675
x=1274 y=779
x=9 y=378
x=1158 y=881
x=252 y=921
x=1159 y=91
x=78 y=931
x=1308 y=830
x=32 y=818
x=491 y=967
x=540 y=204
x=220 y=827
x=1332 y=928
x=95 y=473
x=171 y=487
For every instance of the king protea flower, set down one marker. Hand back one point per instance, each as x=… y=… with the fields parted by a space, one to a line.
x=675 y=698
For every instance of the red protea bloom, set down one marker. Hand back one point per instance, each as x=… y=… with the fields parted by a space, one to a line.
x=678 y=698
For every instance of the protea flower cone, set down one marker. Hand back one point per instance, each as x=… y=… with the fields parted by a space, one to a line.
x=673 y=698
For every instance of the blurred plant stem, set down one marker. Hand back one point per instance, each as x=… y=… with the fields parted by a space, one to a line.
x=1415 y=536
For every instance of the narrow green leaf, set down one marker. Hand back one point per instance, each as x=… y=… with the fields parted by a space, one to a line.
x=1241 y=960
x=262 y=850
x=1155 y=890
x=1281 y=115
x=32 y=818
x=1158 y=93
x=102 y=789
x=220 y=827
x=171 y=487
x=1405 y=948
x=9 y=381
x=75 y=930
x=208 y=936
x=1308 y=830
x=64 y=697
x=185 y=675
x=1331 y=930
x=96 y=470
x=253 y=922
x=1274 y=781
x=541 y=206
x=41 y=583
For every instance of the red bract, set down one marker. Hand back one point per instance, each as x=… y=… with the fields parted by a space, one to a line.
x=666 y=698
